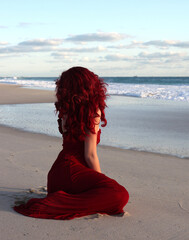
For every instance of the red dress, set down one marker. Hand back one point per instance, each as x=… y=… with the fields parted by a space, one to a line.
x=75 y=190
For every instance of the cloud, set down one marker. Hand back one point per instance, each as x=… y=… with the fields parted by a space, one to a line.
x=3 y=43
x=84 y=49
x=35 y=45
x=69 y=57
x=42 y=42
x=25 y=49
x=133 y=44
x=160 y=55
x=86 y=59
x=29 y=24
x=145 y=57
x=163 y=44
x=97 y=37
x=3 y=26
x=67 y=52
x=46 y=45
x=62 y=54
x=117 y=57
x=167 y=43
x=24 y=24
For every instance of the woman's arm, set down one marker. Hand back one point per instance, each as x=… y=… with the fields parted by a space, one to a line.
x=91 y=156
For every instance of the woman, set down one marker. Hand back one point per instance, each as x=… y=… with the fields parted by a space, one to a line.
x=76 y=187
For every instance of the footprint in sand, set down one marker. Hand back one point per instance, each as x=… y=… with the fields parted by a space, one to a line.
x=24 y=196
x=93 y=216
x=124 y=214
x=39 y=190
x=184 y=205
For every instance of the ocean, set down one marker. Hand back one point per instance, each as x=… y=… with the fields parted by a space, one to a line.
x=168 y=88
x=144 y=114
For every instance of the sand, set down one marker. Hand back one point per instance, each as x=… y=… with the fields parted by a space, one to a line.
x=158 y=185
x=15 y=94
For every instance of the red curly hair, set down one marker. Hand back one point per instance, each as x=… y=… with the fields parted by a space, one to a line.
x=80 y=94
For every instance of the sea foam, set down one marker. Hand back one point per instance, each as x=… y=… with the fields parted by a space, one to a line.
x=156 y=91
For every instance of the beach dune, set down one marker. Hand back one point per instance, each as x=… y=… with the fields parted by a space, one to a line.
x=158 y=186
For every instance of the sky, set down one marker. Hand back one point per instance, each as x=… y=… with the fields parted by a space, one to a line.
x=110 y=37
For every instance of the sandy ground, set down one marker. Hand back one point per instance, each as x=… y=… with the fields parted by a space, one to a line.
x=158 y=185
x=14 y=94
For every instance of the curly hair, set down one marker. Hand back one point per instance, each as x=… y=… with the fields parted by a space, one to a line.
x=80 y=94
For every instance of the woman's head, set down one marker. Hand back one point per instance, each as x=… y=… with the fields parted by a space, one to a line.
x=80 y=94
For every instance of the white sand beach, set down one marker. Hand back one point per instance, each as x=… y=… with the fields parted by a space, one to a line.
x=158 y=186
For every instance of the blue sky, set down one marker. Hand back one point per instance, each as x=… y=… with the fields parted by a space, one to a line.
x=110 y=37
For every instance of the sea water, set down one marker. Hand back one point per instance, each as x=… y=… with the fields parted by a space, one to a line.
x=144 y=124
x=168 y=88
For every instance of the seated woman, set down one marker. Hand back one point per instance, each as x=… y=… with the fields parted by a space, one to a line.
x=76 y=187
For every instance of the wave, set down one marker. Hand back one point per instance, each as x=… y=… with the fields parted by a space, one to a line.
x=167 y=92
x=157 y=91
x=40 y=84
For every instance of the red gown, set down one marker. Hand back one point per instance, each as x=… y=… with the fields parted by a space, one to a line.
x=75 y=190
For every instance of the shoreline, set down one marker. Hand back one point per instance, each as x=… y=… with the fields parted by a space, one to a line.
x=132 y=151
